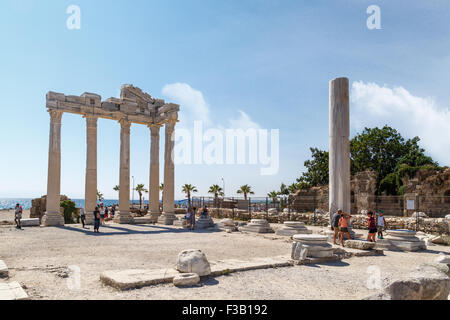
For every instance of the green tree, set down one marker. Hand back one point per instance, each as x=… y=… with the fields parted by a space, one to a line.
x=245 y=190
x=116 y=188
x=316 y=169
x=100 y=196
x=69 y=209
x=188 y=189
x=217 y=191
x=273 y=195
x=140 y=188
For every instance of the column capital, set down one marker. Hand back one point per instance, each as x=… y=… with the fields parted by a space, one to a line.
x=55 y=115
x=91 y=120
x=155 y=128
x=125 y=124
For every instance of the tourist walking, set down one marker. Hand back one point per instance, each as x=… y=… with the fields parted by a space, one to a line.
x=97 y=218
x=82 y=216
x=205 y=211
x=343 y=227
x=192 y=222
x=372 y=226
x=102 y=214
x=381 y=224
x=335 y=225
x=18 y=216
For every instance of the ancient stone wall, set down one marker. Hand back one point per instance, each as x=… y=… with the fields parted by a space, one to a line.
x=39 y=205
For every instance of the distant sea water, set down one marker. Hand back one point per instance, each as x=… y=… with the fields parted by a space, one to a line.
x=26 y=203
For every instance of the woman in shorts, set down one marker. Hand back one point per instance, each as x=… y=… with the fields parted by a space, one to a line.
x=372 y=226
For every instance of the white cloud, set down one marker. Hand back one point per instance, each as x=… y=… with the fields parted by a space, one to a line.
x=193 y=107
x=373 y=105
x=243 y=122
x=192 y=102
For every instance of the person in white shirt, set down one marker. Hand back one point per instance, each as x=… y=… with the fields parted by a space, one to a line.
x=18 y=215
x=381 y=224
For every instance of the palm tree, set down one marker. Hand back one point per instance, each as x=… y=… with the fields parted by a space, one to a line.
x=99 y=196
x=273 y=195
x=293 y=188
x=188 y=189
x=245 y=189
x=283 y=190
x=116 y=188
x=217 y=191
x=140 y=188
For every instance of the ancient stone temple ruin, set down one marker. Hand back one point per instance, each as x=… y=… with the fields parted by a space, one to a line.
x=133 y=106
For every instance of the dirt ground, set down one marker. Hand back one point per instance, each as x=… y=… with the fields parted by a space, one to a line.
x=39 y=258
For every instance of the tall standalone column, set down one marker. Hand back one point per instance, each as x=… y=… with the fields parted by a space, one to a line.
x=154 y=173
x=124 y=215
x=91 y=168
x=339 y=161
x=52 y=216
x=168 y=215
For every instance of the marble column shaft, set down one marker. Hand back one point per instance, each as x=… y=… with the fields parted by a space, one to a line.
x=339 y=161
x=52 y=216
x=91 y=168
x=169 y=176
x=124 y=216
x=154 y=172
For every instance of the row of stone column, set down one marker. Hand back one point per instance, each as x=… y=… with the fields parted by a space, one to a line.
x=53 y=217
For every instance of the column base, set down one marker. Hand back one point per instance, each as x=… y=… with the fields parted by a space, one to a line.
x=89 y=221
x=154 y=216
x=52 y=219
x=123 y=218
x=167 y=218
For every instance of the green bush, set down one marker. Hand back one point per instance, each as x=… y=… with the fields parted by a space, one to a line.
x=69 y=209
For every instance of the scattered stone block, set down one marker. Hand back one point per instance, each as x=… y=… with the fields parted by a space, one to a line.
x=193 y=261
x=183 y=223
x=12 y=291
x=227 y=225
x=291 y=228
x=316 y=246
x=4 y=273
x=272 y=212
x=424 y=283
x=134 y=279
x=442 y=258
x=257 y=226
x=360 y=244
x=143 y=220
x=204 y=222
x=438 y=240
x=34 y=222
x=401 y=240
x=186 y=280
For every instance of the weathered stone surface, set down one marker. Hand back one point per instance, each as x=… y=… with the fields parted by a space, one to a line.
x=438 y=240
x=183 y=223
x=291 y=228
x=138 y=278
x=272 y=212
x=442 y=258
x=12 y=291
x=4 y=273
x=193 y=261
x=360 y=244
x=401 y=240
x=419 y=215
x=227 y=225
x=142 y=220
x=257 y=226
x=30 y=222
x=447 y=217
x=424 y=283
x=204 y=222
x=316 y=246
x=186 y=280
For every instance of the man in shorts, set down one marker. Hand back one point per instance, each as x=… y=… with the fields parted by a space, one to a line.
x=335 y=224
x=381 y=224
x=18 y=216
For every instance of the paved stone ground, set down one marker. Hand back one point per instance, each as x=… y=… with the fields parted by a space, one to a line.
x=39 y=259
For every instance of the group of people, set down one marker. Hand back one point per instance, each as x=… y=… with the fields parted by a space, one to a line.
x=340 y=224
x=190 y=215
x=101 y=213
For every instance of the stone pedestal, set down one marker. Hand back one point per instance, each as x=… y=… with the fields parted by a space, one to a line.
x=183 y=223
x=227 y=225
x=167 y=218
x=142 y=220
x=257 y=226
x=204 y=222
x=316 y=246
x=291 y=228
x=123 y=217
x=401 y=240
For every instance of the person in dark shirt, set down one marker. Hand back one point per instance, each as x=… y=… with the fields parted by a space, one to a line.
x=335 y=224
x=96 y=220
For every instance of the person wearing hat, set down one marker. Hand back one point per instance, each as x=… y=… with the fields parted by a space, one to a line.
x=381 y=224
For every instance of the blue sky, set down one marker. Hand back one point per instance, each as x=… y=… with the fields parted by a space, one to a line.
x=272 y=60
